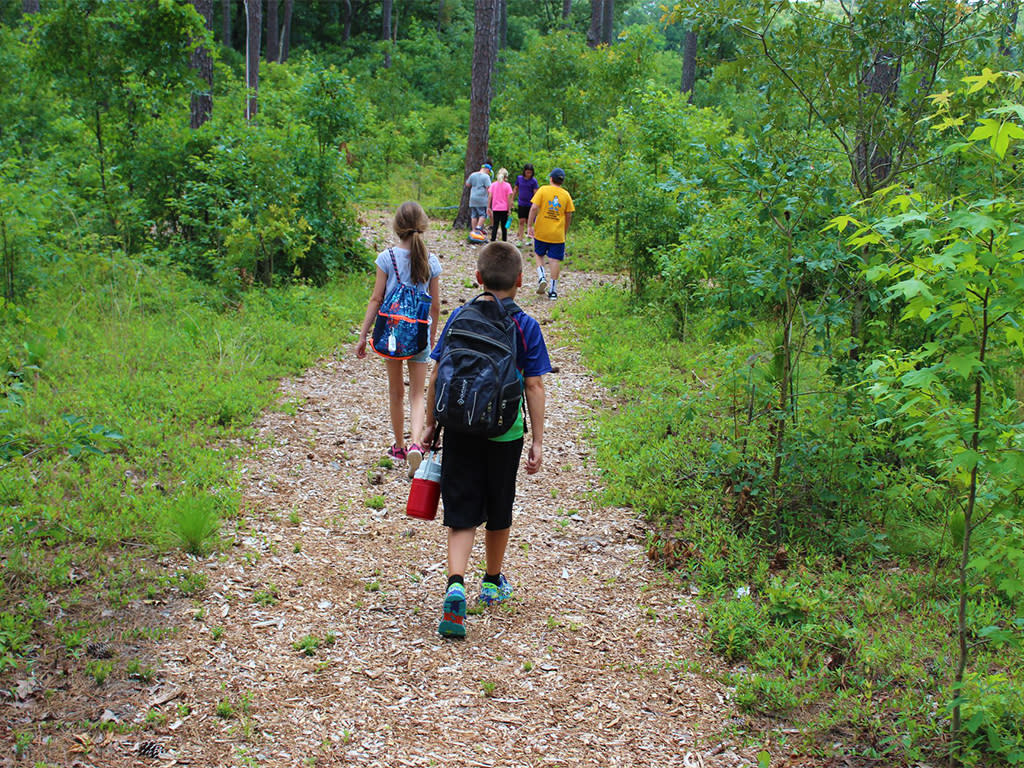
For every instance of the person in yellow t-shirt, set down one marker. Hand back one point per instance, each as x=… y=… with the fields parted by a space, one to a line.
x=550 y=215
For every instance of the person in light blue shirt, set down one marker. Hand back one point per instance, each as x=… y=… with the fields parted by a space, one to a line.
x=478 y=184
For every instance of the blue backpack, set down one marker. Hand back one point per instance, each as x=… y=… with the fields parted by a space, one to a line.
x=479 y=389
x=403 y=320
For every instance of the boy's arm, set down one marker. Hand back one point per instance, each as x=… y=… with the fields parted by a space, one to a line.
x=429 y=426
x=535 y=402
x=534 y=210
x=568 y=219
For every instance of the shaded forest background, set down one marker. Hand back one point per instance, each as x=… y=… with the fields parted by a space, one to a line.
x=818 y=207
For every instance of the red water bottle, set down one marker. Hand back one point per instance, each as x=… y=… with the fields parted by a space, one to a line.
x=426 y=488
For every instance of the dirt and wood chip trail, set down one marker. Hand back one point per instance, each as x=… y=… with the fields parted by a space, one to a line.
x=594 y=663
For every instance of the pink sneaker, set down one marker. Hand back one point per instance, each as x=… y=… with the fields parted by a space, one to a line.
x=397 y=453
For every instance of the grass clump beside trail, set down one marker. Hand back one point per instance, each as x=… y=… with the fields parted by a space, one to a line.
x=123 y=382
x=833 y=590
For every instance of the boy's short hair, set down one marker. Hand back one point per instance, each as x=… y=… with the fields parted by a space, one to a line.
x=499 y=265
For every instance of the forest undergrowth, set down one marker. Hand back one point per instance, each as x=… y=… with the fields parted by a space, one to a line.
x=841 y=621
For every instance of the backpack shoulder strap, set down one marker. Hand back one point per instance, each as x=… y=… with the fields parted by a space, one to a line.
x=394 y=264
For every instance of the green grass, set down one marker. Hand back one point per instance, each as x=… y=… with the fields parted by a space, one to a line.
x=133 y=383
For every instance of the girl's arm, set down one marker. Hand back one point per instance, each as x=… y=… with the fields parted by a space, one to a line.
x=435 y=308
x=490 y=199
x=376 y=299
x=511 y=197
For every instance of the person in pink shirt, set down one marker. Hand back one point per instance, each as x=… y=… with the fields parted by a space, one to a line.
x=499 y=202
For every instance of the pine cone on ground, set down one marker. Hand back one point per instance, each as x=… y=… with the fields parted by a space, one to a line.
x=150 y=749
x=99 y=650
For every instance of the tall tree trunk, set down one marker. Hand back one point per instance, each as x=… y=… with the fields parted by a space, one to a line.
x=202 y=101
x=273 y=33
x=346 y=34
x=689 y=63
x=30 y=6
x=225 y=23
x=484 y=54
x=385 y=29
x=873 y=154
x=596 y=19
x=253 y=28
x=286 y=29
x=503 y=24
x=608 y=22
x=440 y=13
x=566 y=11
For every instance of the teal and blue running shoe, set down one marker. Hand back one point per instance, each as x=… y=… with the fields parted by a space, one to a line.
x=496 y=593
x=453 y=620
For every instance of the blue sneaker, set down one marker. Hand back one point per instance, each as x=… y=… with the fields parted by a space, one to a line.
x=454 y=613
x=492 y=594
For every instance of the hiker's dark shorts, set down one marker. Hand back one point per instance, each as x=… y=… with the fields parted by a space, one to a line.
x=478 y=481
x=554 y=251
x=524 y=211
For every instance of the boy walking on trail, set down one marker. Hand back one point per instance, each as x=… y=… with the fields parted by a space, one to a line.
x=550 y=215
x=478 y=474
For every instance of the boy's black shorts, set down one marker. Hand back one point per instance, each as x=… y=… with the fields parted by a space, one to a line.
x=478 y=481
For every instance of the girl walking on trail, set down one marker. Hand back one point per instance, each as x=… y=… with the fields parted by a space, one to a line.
x=526 y=186
x=499 y=201
x=422 y=269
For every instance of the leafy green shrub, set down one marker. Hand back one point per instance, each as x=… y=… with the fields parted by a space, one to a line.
x=786 y=603
x=993 y=716
x=736 y=627
x=766 y=694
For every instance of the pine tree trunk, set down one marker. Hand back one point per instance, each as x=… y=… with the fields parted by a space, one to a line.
x=30 y=6
x=273 y=33
x=689 y=63
x=286 y=30
x=225 y=23
x=484 y=55
x=596 y=18
x=385 y=29
x=347 y=30
x=566 y=11
x=503 y=25
x=608 y=22
x=201 y=106
x=253 y=28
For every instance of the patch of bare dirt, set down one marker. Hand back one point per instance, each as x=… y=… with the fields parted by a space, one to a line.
x=597 y=661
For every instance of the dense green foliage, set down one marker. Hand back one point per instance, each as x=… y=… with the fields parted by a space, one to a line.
x=821 y=345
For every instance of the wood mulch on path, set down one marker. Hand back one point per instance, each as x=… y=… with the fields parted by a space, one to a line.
x=597 y=661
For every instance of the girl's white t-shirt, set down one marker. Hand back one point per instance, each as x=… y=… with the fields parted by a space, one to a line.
x=404 y=269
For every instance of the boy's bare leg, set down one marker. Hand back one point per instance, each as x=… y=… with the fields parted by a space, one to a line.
x=460 y=546
x=496 y=543
x=556 y=269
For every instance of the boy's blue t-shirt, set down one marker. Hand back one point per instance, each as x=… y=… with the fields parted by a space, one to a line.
x=531 y=359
